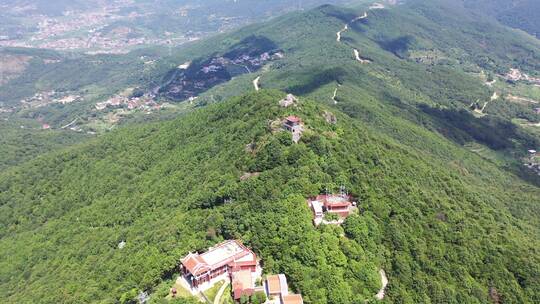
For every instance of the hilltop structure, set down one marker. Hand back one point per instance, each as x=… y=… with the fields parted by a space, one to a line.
x=340 y=204
x=277 y=290
x=294 y=125
x=228 y=260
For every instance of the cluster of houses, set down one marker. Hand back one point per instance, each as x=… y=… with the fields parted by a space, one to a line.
x=45 y=98
x=235 y=263
x=145 y=102
x=515 y=75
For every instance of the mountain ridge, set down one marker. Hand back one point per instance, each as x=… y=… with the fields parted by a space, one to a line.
x=446 y=207
x=163 y=188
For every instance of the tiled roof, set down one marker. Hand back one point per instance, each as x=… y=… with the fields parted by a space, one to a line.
x=242 y=283
x=335 y=200
x=293 y=118
x=274 y=287
x=226 y=253
x=292 y=299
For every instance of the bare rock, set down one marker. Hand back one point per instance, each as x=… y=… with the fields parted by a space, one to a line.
x=330 y=117
x=248 y=175
x=288 y=101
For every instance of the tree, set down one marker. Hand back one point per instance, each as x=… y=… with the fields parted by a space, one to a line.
x=260 y=296
x=244 y=299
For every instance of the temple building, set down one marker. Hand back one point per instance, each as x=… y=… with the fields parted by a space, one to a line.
x=229 y=259
x=277 y=289
x=292 y=122
x=294 y=125
x=340 y=204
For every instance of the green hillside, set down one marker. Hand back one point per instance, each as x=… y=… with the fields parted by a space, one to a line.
x=420 y=71
x=18 y=144
x=445 y=231
x=522 y=14
x=446 y=207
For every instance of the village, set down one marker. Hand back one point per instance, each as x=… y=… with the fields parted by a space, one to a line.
x=144 y=102
x=90 y=31
x=45 y=98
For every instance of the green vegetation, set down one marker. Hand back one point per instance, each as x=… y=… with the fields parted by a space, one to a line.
x=522 y=14
x=163 y=188
x=258 y=297
x=212 y=292
x=18 y=145
x=331 y=217
x=447 y=225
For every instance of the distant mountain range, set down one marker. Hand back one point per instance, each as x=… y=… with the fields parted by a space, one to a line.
x=522 y=14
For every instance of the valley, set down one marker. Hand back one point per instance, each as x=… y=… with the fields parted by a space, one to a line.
x=119 y=26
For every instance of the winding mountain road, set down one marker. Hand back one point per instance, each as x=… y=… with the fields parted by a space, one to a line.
x=346 y=28
x=256 y=83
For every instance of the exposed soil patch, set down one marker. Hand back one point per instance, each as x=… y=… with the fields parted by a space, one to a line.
x=330 y=117
x=248 y=175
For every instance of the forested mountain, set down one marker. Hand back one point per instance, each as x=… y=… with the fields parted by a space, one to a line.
x=454 y=229
x=522 y=14
x=430 y=63
x=414 y=48
x=422 y=110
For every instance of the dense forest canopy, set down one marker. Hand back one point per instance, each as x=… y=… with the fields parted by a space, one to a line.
x=446 y=206
x=445 y=231
x=521 y=14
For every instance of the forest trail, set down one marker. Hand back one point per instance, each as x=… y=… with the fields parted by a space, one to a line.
x=364 y=16
x=521 y=99
x=384 y=280
x=377 y=6
x=493 y=97
x=356 y=52
x=70 y=124
x=256 y=83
